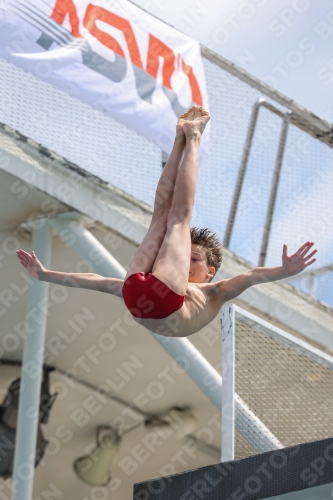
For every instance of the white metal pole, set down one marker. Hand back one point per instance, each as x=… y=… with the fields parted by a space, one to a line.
x=228 y=383
x=181 y=349
x=31 y=374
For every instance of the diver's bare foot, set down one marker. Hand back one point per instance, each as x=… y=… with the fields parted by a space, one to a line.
x=180 y=134
x=193 y=122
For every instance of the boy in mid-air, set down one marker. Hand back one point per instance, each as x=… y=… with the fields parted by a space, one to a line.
x=168 y=286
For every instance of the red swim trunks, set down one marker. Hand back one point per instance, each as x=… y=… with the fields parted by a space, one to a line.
x=148 y=297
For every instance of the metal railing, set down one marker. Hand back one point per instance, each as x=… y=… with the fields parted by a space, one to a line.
x=311 y=277
x=232 y=313
x=276 y=175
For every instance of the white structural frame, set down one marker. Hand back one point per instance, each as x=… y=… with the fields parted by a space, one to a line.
x=228 y=384
x=231 y=416
x=31 y=374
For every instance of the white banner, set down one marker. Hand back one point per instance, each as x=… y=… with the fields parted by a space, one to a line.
x=110 y=55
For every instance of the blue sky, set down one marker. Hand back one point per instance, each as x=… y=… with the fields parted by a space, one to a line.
x=287 y=43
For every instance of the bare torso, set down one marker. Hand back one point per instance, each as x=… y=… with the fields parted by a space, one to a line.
x=200 y=307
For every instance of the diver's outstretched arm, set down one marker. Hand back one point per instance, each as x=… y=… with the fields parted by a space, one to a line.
x=89 y=281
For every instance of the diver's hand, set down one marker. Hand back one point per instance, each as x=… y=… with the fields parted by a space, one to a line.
x=301 y=259
x=30 y=262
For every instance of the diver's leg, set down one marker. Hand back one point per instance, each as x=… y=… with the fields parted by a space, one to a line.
x=173 y=260
x=144 y=257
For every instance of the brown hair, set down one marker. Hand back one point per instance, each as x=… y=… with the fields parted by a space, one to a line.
x=210 y=241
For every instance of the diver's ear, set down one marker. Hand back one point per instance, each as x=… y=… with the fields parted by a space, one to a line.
x=211 y=272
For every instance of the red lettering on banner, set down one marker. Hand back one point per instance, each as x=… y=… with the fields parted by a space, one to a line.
x=196 y=94
x=157 y=49
x=95 y=13
x=60 y=11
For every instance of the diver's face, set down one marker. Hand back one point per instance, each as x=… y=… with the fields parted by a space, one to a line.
x=199 y=271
